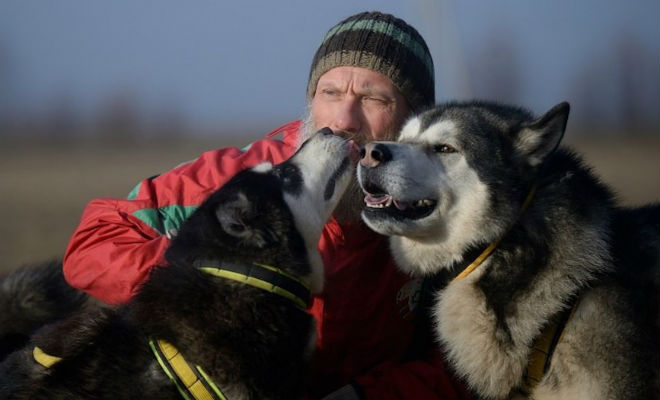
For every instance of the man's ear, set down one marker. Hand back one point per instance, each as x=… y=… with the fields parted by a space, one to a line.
x=237 y=218
x=538 y=139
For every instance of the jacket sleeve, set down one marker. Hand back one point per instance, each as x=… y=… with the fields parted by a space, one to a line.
x=118 y=242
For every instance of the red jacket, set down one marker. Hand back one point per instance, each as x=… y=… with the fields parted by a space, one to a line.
x=365 y=313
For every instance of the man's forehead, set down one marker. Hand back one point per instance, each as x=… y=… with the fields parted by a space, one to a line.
x=362 y=78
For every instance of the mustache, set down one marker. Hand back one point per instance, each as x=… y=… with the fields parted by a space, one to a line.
x=308 y=129
x=357 y=137
x=360 y=138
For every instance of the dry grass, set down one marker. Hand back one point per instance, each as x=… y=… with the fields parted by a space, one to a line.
x=45 y=187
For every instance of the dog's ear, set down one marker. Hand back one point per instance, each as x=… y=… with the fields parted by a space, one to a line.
x=538 y=139
x=237 y=217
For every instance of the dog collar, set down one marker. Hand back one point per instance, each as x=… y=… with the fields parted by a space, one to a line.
x=261 y=276
x=191 y=381
x=485 y=253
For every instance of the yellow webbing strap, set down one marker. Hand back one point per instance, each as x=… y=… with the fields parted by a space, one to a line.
x=493 y=245
x=44 y=359
x=539 y=359
x=477 y=261
x=263 y=283
x=542 y=350
x=192 y=383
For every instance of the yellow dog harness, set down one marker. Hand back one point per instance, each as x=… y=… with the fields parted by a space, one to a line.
x=44 y=359
x=190 y=380
x=544 y=345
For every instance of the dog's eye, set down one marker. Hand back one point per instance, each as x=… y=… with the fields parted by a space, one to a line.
x=237 y=228
x=290 y=177
x=443 y=148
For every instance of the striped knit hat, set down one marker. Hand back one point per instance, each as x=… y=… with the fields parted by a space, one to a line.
x=382 y=43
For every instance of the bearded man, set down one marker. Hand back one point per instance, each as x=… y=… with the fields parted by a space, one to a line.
x=370 y=73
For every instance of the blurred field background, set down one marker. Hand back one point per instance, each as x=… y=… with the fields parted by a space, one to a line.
x=96 y=96
x=45 y=187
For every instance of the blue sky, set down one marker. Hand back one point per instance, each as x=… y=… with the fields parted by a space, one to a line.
x=231 y=63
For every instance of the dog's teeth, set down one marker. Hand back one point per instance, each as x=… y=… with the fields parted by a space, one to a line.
x=428 y=202
x=377 y=201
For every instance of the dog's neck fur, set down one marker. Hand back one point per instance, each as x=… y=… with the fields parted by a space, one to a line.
x=522 y=289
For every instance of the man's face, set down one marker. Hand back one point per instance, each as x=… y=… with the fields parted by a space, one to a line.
x=358 y=103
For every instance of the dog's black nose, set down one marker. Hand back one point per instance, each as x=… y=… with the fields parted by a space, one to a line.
x=373 y=154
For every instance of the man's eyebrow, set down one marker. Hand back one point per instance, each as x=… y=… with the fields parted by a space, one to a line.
x=328 y=85
x=366 y=89
x=376 y=91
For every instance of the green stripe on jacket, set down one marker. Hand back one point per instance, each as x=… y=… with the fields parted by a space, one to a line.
x=165 y=219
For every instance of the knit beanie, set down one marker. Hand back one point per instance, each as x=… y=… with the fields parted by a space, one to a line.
x=382 y=43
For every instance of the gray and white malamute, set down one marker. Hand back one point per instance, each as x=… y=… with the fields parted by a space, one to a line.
x=554 y=289
x=226 y=318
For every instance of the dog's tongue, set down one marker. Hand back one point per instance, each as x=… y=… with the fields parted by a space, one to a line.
x=386 y=200
x=375 y=200
x=401 y=205
x=353 y=151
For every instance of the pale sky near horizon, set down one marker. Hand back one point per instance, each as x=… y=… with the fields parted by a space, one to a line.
x=222 y=62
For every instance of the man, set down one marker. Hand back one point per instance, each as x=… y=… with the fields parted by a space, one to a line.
x=370 y=73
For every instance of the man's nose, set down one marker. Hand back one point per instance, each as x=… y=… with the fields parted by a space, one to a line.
x=374 y=154
x=348 y=118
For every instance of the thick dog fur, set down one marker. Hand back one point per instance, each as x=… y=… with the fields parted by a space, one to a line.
x=253 y=343
x=456 y=182
x=30 y=297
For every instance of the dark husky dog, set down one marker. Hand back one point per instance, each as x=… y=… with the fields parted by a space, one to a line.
x=556 y=289
x=226 y=317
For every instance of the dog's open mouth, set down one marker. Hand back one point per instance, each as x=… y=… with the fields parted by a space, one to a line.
x=378 y=200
